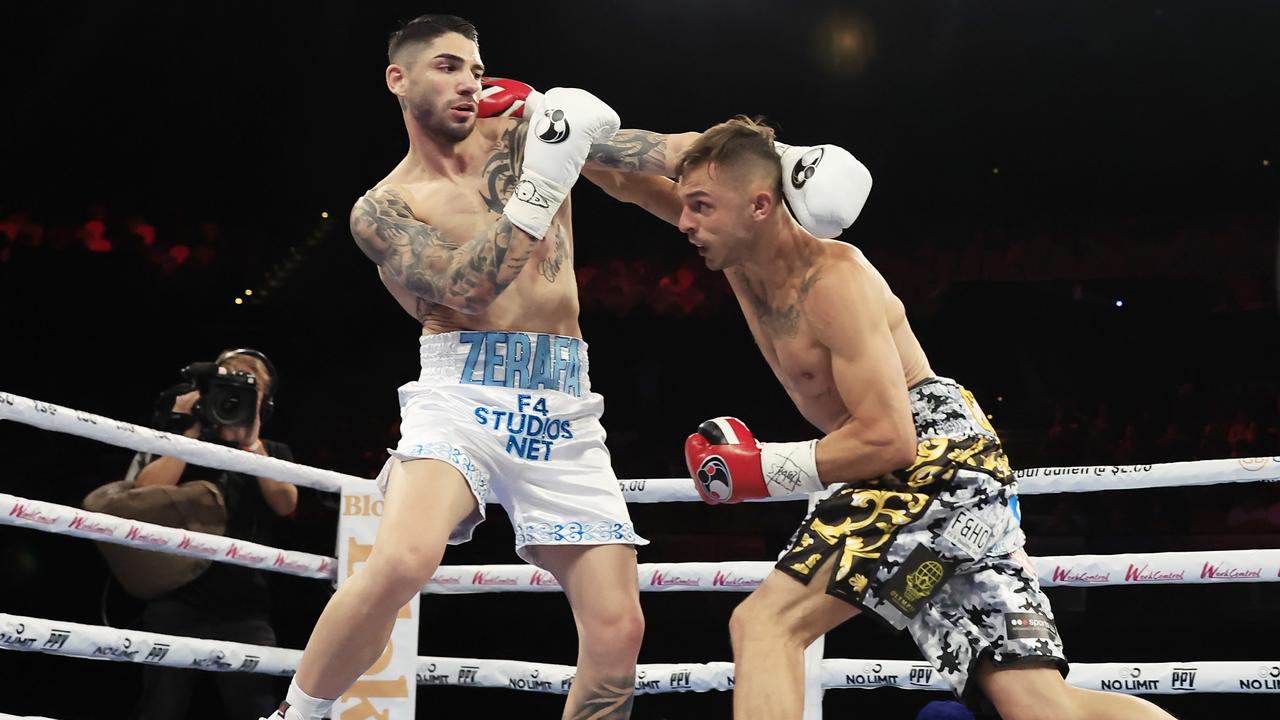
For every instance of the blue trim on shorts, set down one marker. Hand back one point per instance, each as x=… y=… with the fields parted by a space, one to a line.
x=572 y=532
x=476 y=477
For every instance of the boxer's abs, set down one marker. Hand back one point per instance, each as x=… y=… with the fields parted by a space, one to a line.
x=543 y=298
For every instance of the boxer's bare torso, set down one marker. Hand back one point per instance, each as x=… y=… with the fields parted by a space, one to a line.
x=544 y=295
x=782 y=328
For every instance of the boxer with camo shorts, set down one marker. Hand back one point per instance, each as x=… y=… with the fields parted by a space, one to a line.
x=921 y=526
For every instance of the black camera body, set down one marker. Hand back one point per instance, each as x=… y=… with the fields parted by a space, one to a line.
x=226 y=399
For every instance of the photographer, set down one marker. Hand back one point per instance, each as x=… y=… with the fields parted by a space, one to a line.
x=225 y=402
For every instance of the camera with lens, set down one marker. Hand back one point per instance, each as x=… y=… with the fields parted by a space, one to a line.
x=226 y=399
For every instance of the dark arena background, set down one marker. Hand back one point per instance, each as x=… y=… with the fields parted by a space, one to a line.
x=1077 y=202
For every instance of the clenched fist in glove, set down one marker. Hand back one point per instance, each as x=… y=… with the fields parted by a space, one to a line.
x=825 y=187
x=728 y=465
x=503 y=97
x=560 y=135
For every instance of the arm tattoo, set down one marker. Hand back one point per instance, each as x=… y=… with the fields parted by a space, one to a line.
x=631 y=151
x=606 y=701
x=465 y=277
x=550 y=267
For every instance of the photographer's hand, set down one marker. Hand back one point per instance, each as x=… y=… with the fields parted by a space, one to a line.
x=281 y=497
x=165 y=469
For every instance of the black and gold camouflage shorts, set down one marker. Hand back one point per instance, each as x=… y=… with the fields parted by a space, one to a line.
x=936 y=548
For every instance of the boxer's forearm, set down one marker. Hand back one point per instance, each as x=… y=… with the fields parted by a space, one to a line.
x=641 y=151
x=863 y=451
x=654 y=194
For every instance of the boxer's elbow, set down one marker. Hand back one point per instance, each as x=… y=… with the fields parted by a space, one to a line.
x=902 y=453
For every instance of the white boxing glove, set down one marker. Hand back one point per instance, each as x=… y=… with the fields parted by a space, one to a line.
x=559 y=137
x=825 y=187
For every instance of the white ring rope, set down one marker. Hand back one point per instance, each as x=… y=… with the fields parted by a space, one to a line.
x=64 y=520
x=143 y=439
x=1042 y=481
x=103 y=643
x=1032 y=481
x=1172 y=568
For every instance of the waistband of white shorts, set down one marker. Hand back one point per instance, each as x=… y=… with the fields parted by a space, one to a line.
x=512 y=359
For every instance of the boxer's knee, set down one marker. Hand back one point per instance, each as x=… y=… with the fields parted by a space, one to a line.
x=401 y=572
x=615 y=635
x=755 y=619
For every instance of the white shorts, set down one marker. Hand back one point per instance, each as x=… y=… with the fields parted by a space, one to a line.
x=514 y=413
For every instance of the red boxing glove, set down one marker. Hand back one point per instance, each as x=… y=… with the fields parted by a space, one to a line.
x=728 y=465
x=502 y=97
x=724 y=460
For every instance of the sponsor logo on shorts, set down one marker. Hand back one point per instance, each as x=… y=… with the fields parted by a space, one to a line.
x=529 y=430
x=969 y=533
x=467 y=674
x=919 y=577
x=1183 y=679
x=1021 y=626
x=682 y=679
x=528 y=361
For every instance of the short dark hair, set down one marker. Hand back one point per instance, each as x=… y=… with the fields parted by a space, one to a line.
x=736 y=143
x=425 y=28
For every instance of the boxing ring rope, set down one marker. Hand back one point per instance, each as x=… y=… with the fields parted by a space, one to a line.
x=1031 y=481
x=103 y=643
x=1171 y=568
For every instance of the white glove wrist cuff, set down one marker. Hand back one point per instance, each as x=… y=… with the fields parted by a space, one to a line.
x=533 y=204
x=790 y=468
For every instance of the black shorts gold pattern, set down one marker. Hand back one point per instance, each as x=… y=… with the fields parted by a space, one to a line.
x=935 y=545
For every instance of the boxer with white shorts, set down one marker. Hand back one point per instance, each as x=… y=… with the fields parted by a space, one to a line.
x=513 y=412
x=472 y=234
